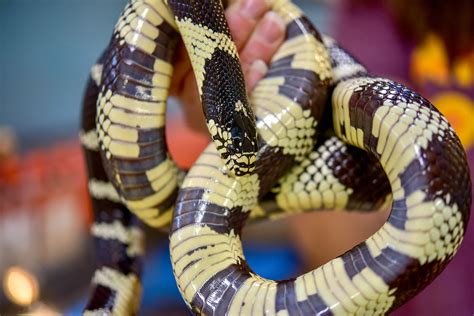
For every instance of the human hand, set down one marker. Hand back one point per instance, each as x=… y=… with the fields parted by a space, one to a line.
x=257 y=33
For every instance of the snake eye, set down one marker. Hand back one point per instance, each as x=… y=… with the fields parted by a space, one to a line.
x=237 y=142
x=236 y=137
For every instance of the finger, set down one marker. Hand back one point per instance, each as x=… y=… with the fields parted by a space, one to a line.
x=264 y=41
x=182 y=68
x=242 y=17
x=256 y=71
x=191 y=106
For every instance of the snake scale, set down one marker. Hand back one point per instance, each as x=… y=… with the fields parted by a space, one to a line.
x=387 y=146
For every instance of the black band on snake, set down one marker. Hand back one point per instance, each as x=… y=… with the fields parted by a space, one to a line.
x=412 y=153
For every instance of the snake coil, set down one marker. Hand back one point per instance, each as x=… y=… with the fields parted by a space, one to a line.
x=295 y=163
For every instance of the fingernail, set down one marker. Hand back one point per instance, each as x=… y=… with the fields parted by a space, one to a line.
x=259 y=66
x=253 y=8
x=272 y=27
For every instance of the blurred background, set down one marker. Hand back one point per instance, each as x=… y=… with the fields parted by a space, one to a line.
x=47 y=48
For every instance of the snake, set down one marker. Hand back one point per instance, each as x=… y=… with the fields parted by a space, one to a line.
x=387 y=146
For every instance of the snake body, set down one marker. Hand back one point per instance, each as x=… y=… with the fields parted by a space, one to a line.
x=413 y=143
x=118 y=235
x=131 y=171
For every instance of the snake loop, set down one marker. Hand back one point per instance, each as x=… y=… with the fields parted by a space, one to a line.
x=412 y=152
x=131 y=108
x=418 y=151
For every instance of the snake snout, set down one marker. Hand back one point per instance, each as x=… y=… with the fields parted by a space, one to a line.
x=244 y=164
x=242 y=150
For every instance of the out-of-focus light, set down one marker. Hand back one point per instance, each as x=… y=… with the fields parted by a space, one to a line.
x=20 y=286
x=41 y=309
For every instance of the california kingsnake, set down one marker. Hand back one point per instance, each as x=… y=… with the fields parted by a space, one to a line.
x=414 y=143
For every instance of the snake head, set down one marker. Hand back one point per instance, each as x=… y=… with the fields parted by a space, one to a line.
x=242 y=151
x=237 y=145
